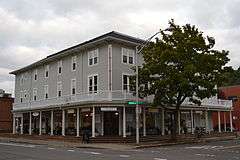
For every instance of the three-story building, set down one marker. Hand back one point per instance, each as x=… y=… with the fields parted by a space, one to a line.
x=87 y=86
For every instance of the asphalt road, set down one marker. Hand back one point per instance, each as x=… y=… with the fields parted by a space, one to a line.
x=224 y=150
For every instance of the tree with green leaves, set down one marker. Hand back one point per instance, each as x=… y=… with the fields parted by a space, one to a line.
x=180 y=65
x=232 y=76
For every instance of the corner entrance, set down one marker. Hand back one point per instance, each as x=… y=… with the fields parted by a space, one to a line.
x=111 y=123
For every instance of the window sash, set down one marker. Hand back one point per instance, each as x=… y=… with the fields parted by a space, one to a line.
x=59 y=89
x=73 y=86
x=126 y=82
x=74 y=62
x=93 y=57
x=93 y=84
x=46 y=71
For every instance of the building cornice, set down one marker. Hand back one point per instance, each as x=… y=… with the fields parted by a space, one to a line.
x=111 y=36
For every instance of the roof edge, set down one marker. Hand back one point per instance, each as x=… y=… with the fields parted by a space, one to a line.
x=113 y=34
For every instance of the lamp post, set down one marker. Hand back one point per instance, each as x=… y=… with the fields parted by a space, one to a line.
x=137 y=94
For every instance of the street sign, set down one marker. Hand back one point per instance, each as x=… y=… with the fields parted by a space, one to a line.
x=105 y=109
x=134 y=102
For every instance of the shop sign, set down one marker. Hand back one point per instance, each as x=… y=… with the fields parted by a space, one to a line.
x=105 y=109
x=70 y=111
x=18 y=114
x=85 y=110
x=153 y=110
x=35 y=114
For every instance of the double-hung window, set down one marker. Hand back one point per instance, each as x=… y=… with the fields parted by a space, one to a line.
x=46 y=91
x=126 y=83
x=21 y=96
x=35 y=75
x=25 y=94
x=22 y=80
x=60 y=67
x=73 y=86
x=74 y=63
x=93 y=84
x=34 y=94
x=46 y=71
x=127 y=56
x=93 y=57
x=59 y=89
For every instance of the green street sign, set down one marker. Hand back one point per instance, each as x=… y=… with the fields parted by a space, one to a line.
x=134 y=102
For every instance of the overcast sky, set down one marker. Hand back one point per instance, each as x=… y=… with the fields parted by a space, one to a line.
x=31 y=30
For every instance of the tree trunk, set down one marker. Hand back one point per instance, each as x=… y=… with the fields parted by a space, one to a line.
x=175 y=126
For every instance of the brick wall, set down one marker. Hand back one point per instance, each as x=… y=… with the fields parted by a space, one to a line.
x=231 y=92
x=6 y=114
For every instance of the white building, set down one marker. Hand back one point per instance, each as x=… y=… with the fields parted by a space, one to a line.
x=87 y=86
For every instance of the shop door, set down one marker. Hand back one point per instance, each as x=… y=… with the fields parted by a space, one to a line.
x=111 y=123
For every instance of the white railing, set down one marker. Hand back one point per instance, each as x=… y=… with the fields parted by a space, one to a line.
x=108 y=96
x=213 y=102
x=79 y=97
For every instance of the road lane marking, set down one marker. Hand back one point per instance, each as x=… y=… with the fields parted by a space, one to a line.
x=230 y=147
x=94 y=153
x=205 y=155
x=124 y=156
x=50 y=148
x=204 y=147
x=71 y=150
x=18 y=145
x=159 y=159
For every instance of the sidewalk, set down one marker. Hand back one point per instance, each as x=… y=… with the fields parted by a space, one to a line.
x=187 y=141
x=53 y=143
x=112 y=146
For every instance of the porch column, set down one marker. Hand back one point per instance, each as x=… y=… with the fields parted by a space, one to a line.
x=77 y=122
x=163 y=123
x=192 y=124
x=93 y=122
x=206 y=121
x=124 y=121
x=21 y=129
x=30 y=123
x=51 y=122
x=219 y=122
x=40 y=123
x=231 y=123
x=14 y=124
x=102 y=123
x=119 y=123
x=225 y=123
x=63 y=122
x=144 y=121
x=179 y=123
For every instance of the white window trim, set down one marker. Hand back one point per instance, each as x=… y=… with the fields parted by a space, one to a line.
x=74 y=60
x=128 y=55
x=21 y=96
x=22 y=80
x=74 y=79
x=58 y=83
x=46 y=70
x=91 y=52
x=60 y=64
x=127 y=74
x=25 y=94
x=35 y=73
x=34 y=94
x=92 y=75
x=46 y=91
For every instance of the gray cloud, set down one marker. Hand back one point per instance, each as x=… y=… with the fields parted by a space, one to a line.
x=31 y=30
